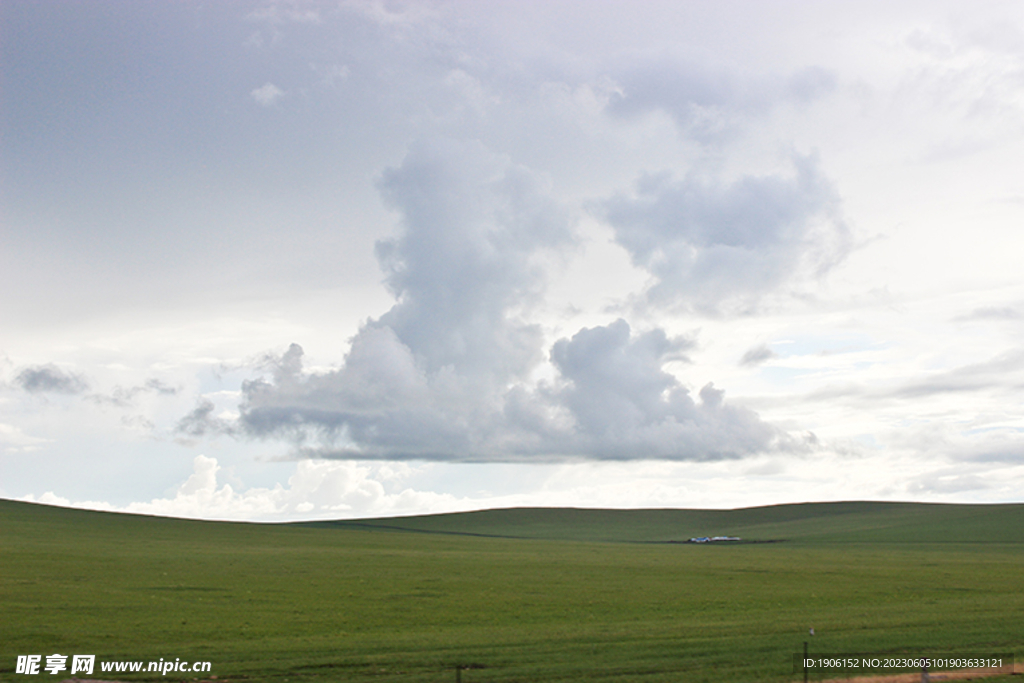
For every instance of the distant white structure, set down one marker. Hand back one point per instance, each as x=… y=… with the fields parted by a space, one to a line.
x=714 y=539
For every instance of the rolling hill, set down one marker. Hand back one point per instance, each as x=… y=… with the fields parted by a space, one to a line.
x=516 y=595
x=846 y=522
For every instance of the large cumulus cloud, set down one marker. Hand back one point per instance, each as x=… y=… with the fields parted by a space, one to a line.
x=612 y=400
x=447 y=372
x=625 y=405
x=427 y=378
x=464 y=261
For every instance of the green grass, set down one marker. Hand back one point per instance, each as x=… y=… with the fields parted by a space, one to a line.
x=524 y=595
x=808 y=522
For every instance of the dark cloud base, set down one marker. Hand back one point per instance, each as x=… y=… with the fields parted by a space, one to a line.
x=41 y=379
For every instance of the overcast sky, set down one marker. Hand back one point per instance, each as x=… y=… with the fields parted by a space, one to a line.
x=290 y=260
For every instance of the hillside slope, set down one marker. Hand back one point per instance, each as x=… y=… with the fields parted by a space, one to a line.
x=847 y=522
x=360 y=601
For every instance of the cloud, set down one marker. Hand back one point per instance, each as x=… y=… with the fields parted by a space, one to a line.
x=267 y=94
x=616 y=381
x=986 y=441
x=1003 y=370
x=708 y=102
x=973 y=74
x=40 y=379
x=945 y=482
x=990 y=313
x=1002 y=448
x=612 y=400
x=710 y=243
x=757 y=355
x=316 y=490
x=447 y=372
x=13 y=440
x=123 y=398
x=464 y=270
x=1003 y=373
x=464 y=263
x=202 y=422
x=626 y=406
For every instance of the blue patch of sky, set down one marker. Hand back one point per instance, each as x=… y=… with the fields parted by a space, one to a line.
x=832 y=344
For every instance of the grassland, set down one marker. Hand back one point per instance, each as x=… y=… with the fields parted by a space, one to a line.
x=519 y=595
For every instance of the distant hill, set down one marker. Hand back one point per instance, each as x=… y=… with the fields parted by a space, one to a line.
x=801 y=523
x=846 y=522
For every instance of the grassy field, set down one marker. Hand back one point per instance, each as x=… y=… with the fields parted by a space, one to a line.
x=517 y=595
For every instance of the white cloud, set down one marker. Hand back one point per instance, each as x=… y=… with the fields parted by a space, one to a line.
x=13 y=440
x=711 y=244
x=446 y=373
x=267 y=94
x=316 y=490
x=355 y=490
x=709 y=102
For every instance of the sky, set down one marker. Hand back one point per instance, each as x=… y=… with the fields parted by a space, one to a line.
x=280 y=260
